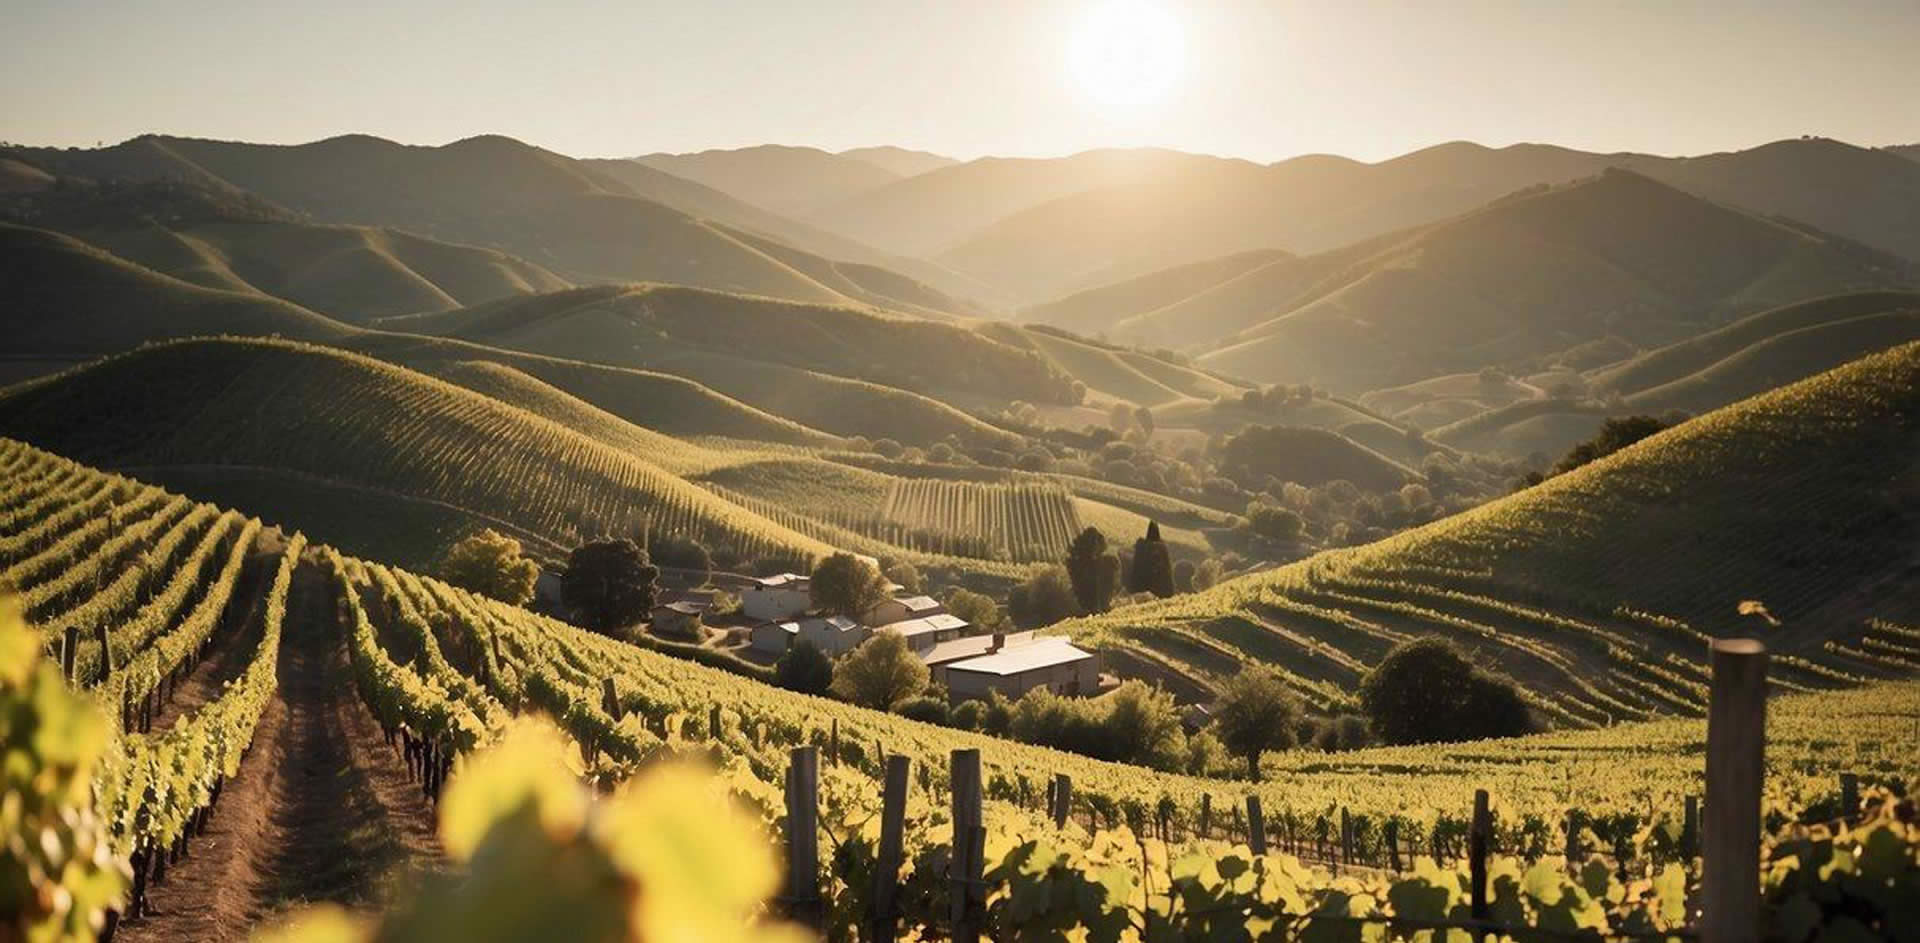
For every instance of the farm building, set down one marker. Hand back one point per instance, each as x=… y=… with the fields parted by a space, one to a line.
x=679 y=618
x=925 y=632
x=902 y=609
x=1049 y=662
x=835 y=635
x=947 y=652
x=774 y=598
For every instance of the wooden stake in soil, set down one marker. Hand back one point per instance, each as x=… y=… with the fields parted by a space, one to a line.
x=803 y=834
x=969 y=836
x=1690 y=829
x=69 y=647
x=1256 y=826
x=1062 y=799
x=106 y=652
x=1736 y=766
x=1477 y=838
x=1849 y=795
x=886 y=872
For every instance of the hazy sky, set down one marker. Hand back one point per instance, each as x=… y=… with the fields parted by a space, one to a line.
x=1263 y=79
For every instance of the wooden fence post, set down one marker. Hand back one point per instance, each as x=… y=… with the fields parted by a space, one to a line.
x=1849 y=795
x=1256 y=827
x=969 y=838
x=1477 y=837
x=713 y=722
x=803 y=834
x=1062 y=799
x=69 y=646
x=1206 y=814
x=886 y=872
x=1736 y=765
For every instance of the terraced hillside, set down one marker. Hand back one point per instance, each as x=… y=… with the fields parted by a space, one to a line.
x=1598 y=588
x=336 y=433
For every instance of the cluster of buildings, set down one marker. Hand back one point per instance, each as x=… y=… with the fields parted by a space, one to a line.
x=968 y=665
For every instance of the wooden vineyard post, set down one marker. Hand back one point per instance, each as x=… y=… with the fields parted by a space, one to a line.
x=1346 y=838
x=833 y=744
x=1736 y=755
x=803 y=834
x=969 y=838
x=713 y=722
x=1393 y=844
x=106 y=652
x=886 y=872
x=69 y=643
x=1477 y=838
x=1690 y=829
x=1206 y=814
x=1062 y=799
x=1849 y=795
x=610 y=699
x=1256 y=827
x=1573 y=836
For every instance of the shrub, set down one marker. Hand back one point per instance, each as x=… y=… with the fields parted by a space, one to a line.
x=492 y=564
x=930 y=710
x=1426 y=691
x=1045 y=598
x=681 y=553
x=804 y=667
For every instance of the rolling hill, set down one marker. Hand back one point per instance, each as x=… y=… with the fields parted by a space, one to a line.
x=1104 y=308
x=1598 y=589
x=1114 y=372
x=1540 y=272
x=213 y=239
x=792 y=181
x=322 y=428
x=66 y=300
x=493 y=191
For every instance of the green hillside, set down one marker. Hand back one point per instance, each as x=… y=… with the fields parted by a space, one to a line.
x=1538 y=273
x=69 y=300
x=320 y=419
x=1598 y=589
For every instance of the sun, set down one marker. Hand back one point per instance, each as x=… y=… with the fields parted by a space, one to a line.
x=1127 y=53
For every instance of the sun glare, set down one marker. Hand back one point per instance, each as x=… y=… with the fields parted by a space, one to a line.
x=1126 y=52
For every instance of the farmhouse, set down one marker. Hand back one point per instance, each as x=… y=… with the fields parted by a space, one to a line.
x=1015 y=667
x=679 y=618
x=902 y=609
x=834 y=635
x=778 y=597
x=927 y=631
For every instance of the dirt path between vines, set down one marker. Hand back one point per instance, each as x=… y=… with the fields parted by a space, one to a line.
x=322 y=809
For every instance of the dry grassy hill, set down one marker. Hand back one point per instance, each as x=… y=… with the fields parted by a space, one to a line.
x=1102 y=309
x=1616 y=255
x=66 y=300
x=789 y=180
x=1598 y=589
x=493 y=191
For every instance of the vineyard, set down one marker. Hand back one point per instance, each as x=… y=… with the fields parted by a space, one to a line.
x=1598 y=589
x=171 y=615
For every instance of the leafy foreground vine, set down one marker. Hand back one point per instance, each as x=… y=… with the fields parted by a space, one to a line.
x=58 y=874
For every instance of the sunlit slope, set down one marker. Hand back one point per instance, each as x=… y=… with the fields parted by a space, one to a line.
x=1536 y=274
x=68 y=299
x=547 y=208
x=1115 y=372
x=316 y=414
x=1598 y=588
x=837 y=369
x=1102 y=308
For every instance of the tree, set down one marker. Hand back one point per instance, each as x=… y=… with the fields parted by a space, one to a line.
x=1342 y=733
x=845 y=585
x=905 y=574
x=1093 y=569
x=682 y=553
x=882 y=672
x=491 y=563
x=1615 y=434
x=1256 y=713
x=1142 y=726
x=1206 y=575
x=1183 y=576
x=609 y=584
x=978 y=609
x=1426 y=691
x=1152 y=569
x=1045 y=598
x=804 y=667
x=1144 y=417
x=1274 y=522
